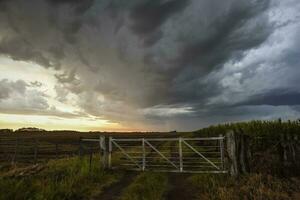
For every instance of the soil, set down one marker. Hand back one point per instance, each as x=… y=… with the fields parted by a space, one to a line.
x=179 y=190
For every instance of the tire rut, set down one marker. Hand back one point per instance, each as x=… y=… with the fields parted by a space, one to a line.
x=179 y=189
x=114 y=191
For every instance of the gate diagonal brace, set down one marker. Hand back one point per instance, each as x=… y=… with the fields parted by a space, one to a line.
x=200 y=154
x=157 y=151
x=128 y=156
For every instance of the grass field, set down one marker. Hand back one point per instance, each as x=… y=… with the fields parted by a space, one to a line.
x=73 y=177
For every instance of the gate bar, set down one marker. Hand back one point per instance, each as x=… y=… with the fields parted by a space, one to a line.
x=161 y=154
x=124 y=152
x=187 y=144
x=156 y=139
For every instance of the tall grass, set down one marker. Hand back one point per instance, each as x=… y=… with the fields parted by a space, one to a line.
x=62 y=179
x=253 y=186
x=256 y=128
x=147 y=186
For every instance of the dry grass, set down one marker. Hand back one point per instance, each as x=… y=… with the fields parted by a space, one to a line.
x=250 y=187
x=61 y=179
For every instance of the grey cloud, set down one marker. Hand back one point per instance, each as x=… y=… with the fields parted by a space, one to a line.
x=36 y=84
x=67 y=83
x=275 y=97
x=61 y=93
x=79 y=5
x=53 y=112
x=230 y=34
x=19 y=49
x=16 y=95
x=67 y=77
x=8 y=87
x=149 y=15
x=41 y=35
x=215 y=41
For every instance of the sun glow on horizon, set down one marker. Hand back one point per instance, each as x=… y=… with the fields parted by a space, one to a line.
x=16 y=121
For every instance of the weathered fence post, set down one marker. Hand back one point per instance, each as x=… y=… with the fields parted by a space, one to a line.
x=103 y=151
x=91 y=158
x=289 y=149
x=238 y=153
x=180 y=154
x=80 y=150
x=221 y=143
x=109 y=151
x=144 y=154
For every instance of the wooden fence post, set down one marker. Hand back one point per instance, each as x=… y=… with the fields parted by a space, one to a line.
x=144 y=154
x=109 y=152
x=238 y=153
x=91 y=158
x=221 y=143
x=289 y=149
x=180 y=154
x=80 y=149
x=103 y=151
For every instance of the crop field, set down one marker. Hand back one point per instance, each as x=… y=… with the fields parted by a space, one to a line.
x=58 y=166
x=34 y=147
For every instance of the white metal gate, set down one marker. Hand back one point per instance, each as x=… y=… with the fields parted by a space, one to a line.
x=196 y=155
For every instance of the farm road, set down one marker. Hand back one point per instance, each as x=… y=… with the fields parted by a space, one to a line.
x=114 y=191
x=179 y=189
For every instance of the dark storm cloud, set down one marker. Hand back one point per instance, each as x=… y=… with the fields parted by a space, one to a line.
x=222 y=38
x=149 y=15
x=21 y=50
x=225 y=40
x=80 y=6
x=276 y=97
x=71 y=27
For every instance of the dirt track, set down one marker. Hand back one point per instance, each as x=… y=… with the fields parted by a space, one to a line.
x=114 y=191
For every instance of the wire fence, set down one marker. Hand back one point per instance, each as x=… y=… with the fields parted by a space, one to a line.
x=31 y=150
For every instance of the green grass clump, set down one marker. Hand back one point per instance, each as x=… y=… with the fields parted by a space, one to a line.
x=147 y=186
x=253 y=186
x=62 y=179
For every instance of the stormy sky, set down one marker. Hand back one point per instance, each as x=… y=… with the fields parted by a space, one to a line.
x=140 y=65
